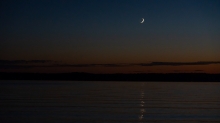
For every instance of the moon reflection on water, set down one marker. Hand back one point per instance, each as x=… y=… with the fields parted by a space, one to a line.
x=142 y=110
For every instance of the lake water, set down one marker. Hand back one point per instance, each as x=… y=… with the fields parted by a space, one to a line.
x=109 y=102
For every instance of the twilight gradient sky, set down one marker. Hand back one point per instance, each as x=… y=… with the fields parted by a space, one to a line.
x=106 y=36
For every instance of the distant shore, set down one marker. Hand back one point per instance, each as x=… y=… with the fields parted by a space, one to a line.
x=168 y=77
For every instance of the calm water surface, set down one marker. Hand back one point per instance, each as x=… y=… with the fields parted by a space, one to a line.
x=109 y=102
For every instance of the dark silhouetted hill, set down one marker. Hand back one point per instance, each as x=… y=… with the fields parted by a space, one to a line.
x=172 y=77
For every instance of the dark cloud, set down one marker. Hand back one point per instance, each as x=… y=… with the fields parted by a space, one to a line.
x=10 y=66
x=75 y=65
x=24 y=61
x=198 y=70
x=92 y=65
x=115 y=65
x=16 y=64
x=140 y=64
x=178 y=63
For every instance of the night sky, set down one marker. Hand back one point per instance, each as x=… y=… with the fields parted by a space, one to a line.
x=106 y=36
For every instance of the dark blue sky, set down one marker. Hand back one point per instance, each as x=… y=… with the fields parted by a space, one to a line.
x=109 y=31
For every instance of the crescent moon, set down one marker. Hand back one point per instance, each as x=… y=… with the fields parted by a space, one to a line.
x=142 y=20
